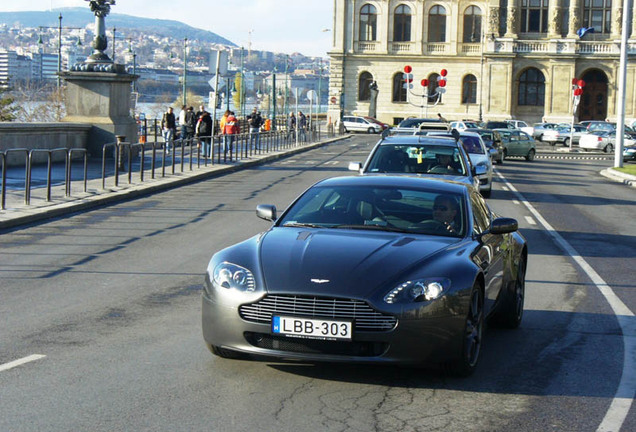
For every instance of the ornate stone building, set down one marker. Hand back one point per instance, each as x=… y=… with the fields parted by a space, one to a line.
x=504 y=58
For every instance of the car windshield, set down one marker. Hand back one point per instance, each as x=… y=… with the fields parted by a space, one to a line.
x=486 y=135
x=417 y=159
x=391 y=209
x=415 y=122
x=471 y=144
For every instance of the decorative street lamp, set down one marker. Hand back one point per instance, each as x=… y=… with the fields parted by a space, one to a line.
x=101 y=8
x=185 y=67
x=59 y=47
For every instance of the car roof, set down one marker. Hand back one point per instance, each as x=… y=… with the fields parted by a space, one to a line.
x=417 y=140
x=400 y=181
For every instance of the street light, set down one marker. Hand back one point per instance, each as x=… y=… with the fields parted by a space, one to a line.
x=114 y=39
x=185 y=67
x=59 y=46
x=134 y=56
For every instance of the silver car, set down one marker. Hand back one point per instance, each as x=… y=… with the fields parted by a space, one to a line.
x=360 y=124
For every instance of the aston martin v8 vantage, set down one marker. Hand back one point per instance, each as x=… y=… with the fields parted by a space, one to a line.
x=382 y=269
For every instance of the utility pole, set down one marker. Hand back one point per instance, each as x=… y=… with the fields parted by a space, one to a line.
x=185 y=67
x=59 y=53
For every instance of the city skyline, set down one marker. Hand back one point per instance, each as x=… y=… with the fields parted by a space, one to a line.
x=269 y=26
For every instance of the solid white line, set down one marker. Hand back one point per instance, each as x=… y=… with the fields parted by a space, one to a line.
x=21 y=361
x=621 y=404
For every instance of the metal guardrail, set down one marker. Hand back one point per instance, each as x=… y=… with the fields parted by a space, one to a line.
x=184 y=154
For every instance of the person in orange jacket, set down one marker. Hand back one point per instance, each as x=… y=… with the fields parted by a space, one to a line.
x=231 y=128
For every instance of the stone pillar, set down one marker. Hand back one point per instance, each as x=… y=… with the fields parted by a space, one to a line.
x=633 y=36
x=617 y=19
x=554 y=19
x=512 y=23
x=574 y=22
x=103 y=100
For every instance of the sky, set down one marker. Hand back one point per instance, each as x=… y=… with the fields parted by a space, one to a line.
x=284 y=26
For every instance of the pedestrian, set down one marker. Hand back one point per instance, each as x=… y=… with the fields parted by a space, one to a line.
x=255 y=121
x=231 y=129
x=182 y=123
x=204 y=132
x=442 y=119
x=302 y=127
x=190 y=123
x=168 y=126
x=222 y=129
x=291 y=126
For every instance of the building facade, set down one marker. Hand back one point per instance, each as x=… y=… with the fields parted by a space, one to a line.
x=503 y=59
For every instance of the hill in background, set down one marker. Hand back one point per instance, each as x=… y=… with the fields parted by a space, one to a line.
x=80 y=17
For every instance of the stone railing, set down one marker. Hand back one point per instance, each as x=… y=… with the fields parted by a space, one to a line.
x=368 y=46
x=42 y=136
x=402 y=47
x=437 y=48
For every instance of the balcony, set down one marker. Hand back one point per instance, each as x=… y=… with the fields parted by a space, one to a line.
x=437 y=48
x=558 y=46
x=398 y=48
x=365 y=47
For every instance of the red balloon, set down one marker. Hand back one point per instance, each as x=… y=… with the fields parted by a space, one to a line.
x=443 y=72
x=574 y=80
x=442 y=83
x=424 y=83
x=581 y=83
x=408 y=69
x=578 y=92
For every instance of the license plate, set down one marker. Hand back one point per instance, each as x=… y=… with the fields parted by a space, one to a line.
x=312 y=328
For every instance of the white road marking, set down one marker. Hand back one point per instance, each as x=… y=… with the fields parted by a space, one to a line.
x=622 y=402
x=21 y=361
x=516 y=202
x=530 y=220
x=331 y=163
x=503 y=187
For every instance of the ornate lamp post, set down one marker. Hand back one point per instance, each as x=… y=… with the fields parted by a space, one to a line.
x=101 y=8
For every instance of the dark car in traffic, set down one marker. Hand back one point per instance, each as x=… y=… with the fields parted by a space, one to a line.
x=369 y=269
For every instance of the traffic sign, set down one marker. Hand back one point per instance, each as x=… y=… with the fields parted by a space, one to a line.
x=334 y=99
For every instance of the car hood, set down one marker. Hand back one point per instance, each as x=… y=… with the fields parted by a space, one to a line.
x=479 y=159
x=456 y=178
x=341 y=262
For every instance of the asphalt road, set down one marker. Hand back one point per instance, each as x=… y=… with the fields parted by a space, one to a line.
x=111 y=298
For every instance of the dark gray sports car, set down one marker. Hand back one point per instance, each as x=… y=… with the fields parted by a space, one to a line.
x=369 y=269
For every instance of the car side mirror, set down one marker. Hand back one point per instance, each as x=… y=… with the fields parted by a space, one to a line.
x=503 y=225
x=267 y=212
x=355 y=166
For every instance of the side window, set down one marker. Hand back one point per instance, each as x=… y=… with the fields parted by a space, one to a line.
x=481 y=213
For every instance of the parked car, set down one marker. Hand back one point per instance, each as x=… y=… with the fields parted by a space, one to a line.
x=538 y=129
x=370 y=269
x=374 y=120
x=562 y=135
x=479 y=156
x=411 y=126
x=462 y=125
x=421 y=156
x=521 y=125
x=498 y=125
x=598 y=125
x=629 y=153
x=360 y=124
x=493 y=143
x=603 y=140
x=517 y=143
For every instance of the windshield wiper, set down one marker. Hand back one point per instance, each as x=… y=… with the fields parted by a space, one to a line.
x=376 y=227
x=302 y=224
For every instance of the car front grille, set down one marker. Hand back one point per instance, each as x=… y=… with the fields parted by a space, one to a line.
x=314 y=346
x=364 y=317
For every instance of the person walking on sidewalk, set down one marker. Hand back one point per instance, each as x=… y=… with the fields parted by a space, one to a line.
x=255 y=121
x=302 y=127
x=182 y=123
x=168 y=126
x=231 y=129
x=222 y=129
x=204 y=133
x=291 y=126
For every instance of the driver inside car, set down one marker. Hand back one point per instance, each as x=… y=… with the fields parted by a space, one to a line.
x=445 y=165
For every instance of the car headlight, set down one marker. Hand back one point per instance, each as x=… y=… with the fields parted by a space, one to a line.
x=418 y=290
x=232 y=276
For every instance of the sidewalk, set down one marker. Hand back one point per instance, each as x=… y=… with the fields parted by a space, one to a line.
x=18 y=213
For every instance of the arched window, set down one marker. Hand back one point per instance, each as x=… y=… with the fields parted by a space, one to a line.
x=534 y=16
x=532 y=88
x=437 y=24
x=432 y=86
x=598 y=14
x=368 y=23
x=364 y=94
x=402 y=24
x=472 y=24
x=399 y=92
x=469 y=89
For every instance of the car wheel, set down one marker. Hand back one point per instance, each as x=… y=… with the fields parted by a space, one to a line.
x=530 y=156
x=371 y=130
x=608 y=148
x=472 y=336
x=510 y=310
x=225 y=353
x=566 y=142
x=504 y=155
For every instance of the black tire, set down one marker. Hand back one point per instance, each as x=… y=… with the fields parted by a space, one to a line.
x=566 y=142
x=504 y=155
x=530 y=155
x=609 y=148
x=510 y=309
x=225 y=353
x=500 y=161
x=371 y=130
x=472 y=337
x=487 y=193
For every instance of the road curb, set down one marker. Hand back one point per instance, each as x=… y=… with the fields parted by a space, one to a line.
x=36 y=214
x=617 y=176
